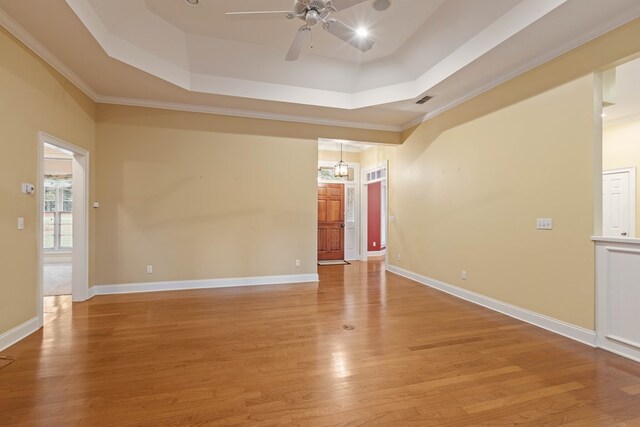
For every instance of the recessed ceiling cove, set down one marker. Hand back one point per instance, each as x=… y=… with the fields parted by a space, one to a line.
x=418 y=45
x=171 y=54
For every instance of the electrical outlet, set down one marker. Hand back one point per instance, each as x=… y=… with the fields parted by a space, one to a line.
x=374 y=244
x=463 y=275
x=544 y=223
x=398 y=257
x=297 y=263
x=149 y=269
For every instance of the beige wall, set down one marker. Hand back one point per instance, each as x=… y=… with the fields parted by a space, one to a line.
x=197 y=203
x=334 y=156
x=200 y=196
x=467 y=198
x=621 y=149
x=34 y=98
x=467 y=186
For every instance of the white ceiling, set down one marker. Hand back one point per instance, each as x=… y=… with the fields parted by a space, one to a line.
x=627 y=103
x=166 y=53
x=325 y=144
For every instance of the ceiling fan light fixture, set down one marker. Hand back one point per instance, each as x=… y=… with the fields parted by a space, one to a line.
x=192 y=2
x=312 y=17
x=381 y=5
x=362 y=32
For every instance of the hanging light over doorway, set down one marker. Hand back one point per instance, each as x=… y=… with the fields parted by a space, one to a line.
x=341 y=168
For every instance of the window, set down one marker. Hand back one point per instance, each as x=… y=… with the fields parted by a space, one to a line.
x=326 y=173
x=58 y=219
x=376 y=175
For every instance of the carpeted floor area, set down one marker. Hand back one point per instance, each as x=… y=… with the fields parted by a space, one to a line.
x=57 y=279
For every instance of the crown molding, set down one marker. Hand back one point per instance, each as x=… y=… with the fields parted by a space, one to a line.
x=47 y=56
x=193 y=108
x=39 y=49
x=621 y=121
x=576 y=42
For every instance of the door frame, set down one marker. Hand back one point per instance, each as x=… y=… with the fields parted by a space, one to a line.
x=632 y=197
x=364 y=244
x=353 y=254
x=80 y=211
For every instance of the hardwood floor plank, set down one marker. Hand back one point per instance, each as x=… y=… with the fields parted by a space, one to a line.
x=275 y=355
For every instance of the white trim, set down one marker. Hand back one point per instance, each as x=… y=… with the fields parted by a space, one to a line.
x=631 y=240
x=618 y=345
x=353 y=255
x=364 y=222
x=568 y=330
x=39 y=49
x=129 y=288
x=80 y=252
x=620 y=350
x=549 y=55
x=623 y=341
x=632 y=195
x=18 y=333
x=91 y=292
x=376 y=253
x=621 y=121
x=223 y=111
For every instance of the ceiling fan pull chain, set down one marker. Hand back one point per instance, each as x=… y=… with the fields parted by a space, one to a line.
x=311 y=45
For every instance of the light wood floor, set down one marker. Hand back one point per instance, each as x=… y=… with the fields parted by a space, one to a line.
x=277 y=355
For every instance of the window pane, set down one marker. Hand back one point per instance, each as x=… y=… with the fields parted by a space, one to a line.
x=66 y=230
x=66 y=206
x=50 y=206
x=49 y=199
x=49 y=230
x=351 y=201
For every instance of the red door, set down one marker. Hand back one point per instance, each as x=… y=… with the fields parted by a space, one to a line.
x=330 y=221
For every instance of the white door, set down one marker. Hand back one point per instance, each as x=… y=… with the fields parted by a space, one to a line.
x=351 y=231
x=618 y=203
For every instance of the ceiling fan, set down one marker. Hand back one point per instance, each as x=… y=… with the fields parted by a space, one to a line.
x=313 y=12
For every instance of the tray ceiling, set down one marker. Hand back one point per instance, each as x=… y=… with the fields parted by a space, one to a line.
x=166 y=52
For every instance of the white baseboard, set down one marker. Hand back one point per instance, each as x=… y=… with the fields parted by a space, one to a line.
x=619 y=349
x=128 y=288
x=376 y=253
x=568 y=330
x=18 y=333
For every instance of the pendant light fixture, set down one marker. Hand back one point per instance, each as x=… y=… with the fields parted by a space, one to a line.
x=341 y=169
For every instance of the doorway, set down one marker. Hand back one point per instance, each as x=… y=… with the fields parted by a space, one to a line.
x=57 y=221
x=330 y=222
x=62 y=221
x=374 y=212
x=351 y=204
x=619 y=202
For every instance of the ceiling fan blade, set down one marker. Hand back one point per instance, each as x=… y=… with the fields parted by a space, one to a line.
x=271 y=14
x=348 y=34
x=302 y=39
x=344 y=4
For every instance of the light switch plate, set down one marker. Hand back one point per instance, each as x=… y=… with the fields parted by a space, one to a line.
x=20 y=223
